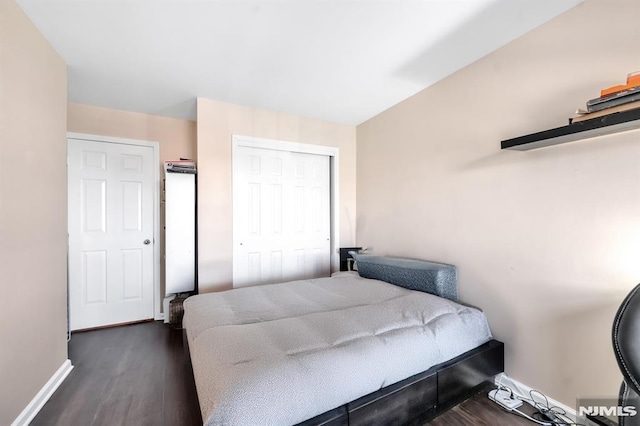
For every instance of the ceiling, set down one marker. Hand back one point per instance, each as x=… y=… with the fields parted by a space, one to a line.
x=338 y=60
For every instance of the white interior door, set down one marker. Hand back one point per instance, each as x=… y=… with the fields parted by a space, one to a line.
x=282 y=218
x=111 y=222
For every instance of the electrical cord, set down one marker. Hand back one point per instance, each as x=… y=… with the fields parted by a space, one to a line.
x=543 y=407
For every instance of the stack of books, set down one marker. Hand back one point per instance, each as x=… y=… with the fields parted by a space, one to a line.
x=180 y=166
x=613 y=99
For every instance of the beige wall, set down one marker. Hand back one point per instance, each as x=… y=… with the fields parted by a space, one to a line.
x=33 y=211
x=217 y=122
x=548 y=241
x=177 y=138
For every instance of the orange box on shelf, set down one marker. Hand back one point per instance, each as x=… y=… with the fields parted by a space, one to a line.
x=613 y=89
x=633 y=80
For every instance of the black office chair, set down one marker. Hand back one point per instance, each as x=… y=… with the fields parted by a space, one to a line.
x=626 y=346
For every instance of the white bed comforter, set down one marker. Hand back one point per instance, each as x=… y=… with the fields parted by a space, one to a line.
x=280 y=354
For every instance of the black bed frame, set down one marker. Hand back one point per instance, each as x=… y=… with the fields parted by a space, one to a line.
x=418 y=398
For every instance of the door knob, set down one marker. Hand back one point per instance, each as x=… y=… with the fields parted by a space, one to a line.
x=147 y=242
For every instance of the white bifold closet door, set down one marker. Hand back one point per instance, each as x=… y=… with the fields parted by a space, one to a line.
x=282 y=216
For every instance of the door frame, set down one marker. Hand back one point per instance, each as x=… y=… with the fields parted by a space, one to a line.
x=333 y=153
x=155 y=146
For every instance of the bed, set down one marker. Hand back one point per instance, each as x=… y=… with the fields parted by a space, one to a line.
x=388 y=345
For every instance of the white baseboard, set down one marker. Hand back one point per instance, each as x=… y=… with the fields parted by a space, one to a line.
x=523 y=390
x=43 y=396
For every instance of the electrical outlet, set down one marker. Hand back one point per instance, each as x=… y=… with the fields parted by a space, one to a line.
x=503 y=398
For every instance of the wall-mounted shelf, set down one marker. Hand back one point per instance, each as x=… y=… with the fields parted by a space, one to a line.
x=612 y=123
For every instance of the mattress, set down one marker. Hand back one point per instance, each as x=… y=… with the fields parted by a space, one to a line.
x=280 y=354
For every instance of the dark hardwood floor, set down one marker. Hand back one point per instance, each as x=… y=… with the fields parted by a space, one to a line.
x=480 y=411
x=130 y=375
x=138 y=375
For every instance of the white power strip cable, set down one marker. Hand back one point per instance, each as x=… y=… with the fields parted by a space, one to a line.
x=504 y=398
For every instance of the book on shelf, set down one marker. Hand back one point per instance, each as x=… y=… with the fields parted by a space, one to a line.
x=629 y=96
x=633 y=80
x=180 y=166
x=586 y=115
x=615 y=90
x=617 y=94
x=181 y=162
